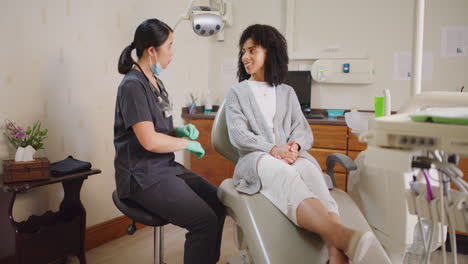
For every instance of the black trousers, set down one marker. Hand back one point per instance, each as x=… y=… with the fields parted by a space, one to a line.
x=189 y=201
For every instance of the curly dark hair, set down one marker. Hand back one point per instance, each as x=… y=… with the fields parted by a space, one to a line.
x=276 y=62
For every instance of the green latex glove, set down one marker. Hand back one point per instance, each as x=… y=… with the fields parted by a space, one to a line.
x=196 y=148
x=188 y=130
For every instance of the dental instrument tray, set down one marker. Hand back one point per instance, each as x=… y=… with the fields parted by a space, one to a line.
x=400 y=131
x=449 y=115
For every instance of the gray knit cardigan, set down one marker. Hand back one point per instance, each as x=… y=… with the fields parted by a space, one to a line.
x=248 y=131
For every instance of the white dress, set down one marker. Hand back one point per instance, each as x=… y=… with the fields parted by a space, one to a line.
x=265 y=96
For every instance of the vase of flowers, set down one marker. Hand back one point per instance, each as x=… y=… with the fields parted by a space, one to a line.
x=26 y=142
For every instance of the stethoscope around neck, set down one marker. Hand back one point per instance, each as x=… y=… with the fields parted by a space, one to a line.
x=167 y=107
x=163 y=91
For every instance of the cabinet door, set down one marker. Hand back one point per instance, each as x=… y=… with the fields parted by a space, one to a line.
x=354 y=143
x=464 y=167
x=330 y=137
x=322 y=154
x=340 y=179
x=213 y=167
x=353 y=154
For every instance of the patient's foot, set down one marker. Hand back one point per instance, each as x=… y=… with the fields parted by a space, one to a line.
x=359 y=244
x=337 y=256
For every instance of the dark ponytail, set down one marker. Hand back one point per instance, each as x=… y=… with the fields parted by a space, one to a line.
x=152 y=32
x=126 y=61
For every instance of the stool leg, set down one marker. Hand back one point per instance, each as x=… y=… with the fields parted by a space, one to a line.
x=158 y=245
x=161 y=245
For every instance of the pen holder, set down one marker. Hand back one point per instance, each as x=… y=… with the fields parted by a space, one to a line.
x=192 y=108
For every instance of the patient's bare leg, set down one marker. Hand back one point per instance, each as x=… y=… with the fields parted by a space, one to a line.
x=336 y=256
x=313 y=216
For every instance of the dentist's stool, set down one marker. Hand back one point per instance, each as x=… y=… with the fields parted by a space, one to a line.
x=139 y=215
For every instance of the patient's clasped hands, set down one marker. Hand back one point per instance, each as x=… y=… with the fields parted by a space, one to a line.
x=287 y=152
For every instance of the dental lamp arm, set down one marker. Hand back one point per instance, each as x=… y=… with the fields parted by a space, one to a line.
x=186 y=16
x=222 y=9
x=343 y=160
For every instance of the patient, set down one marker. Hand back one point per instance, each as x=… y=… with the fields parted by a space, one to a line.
x=266 y=125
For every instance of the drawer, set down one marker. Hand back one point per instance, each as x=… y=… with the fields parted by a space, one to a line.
x=334 y=137
x=353 y=154
x=340 y=179
x=205 y=126
x=354 y=143
x=321 y=156
x=463 y=166
x=213 y=167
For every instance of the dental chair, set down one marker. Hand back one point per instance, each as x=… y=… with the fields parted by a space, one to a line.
x=263 y=234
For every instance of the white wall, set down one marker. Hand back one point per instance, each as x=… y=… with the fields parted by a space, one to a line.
x=271 y=12
x=59 y=66
x=377 y=28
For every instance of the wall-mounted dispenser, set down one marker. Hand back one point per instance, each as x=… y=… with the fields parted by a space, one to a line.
x=358 y=71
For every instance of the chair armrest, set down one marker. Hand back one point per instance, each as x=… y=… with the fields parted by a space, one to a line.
x=343 y=160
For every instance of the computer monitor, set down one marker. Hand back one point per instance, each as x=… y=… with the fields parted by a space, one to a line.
x=301 y=82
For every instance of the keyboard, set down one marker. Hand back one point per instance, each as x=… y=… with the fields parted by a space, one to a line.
x=314 y=115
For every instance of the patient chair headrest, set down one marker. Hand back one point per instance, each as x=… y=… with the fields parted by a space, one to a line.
x=220 y=137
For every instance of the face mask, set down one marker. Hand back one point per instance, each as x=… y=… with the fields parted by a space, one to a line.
x=156 y=69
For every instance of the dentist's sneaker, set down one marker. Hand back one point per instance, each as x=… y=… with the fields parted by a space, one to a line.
x=359 y=244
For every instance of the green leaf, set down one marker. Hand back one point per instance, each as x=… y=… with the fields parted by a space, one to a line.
x=34 y=129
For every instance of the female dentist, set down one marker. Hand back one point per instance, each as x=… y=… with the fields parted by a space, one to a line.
x=145 y=141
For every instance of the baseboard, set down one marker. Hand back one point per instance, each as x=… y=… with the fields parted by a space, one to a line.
x=107 y=231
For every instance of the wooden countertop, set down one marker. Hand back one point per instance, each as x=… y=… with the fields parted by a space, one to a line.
x=324 y=121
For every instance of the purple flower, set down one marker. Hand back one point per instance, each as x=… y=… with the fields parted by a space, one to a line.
x=15 y=132
x=20 y=134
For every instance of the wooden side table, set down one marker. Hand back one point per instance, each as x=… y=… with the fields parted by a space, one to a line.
x=50 y=237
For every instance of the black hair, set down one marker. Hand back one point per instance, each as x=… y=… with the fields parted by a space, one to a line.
x=151 y=32
x=276 y=62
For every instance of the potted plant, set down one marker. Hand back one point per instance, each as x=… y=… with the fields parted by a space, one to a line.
x=26 y=142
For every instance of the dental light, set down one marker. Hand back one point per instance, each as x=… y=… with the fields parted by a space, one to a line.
x=206 y=20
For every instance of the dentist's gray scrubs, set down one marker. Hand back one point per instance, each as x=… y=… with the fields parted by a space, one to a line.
x=154 y=180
